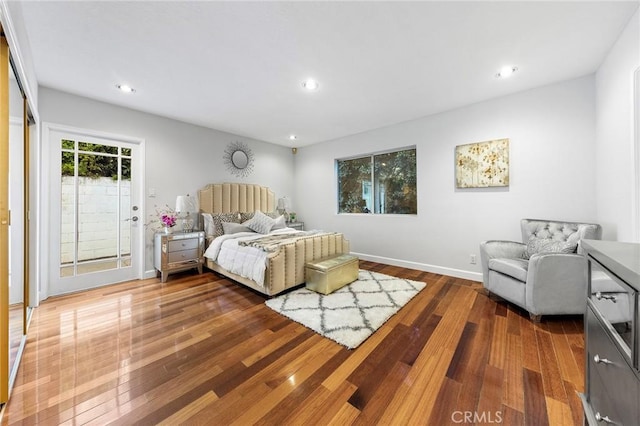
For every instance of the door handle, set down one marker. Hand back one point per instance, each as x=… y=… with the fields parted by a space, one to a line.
x=599 y=360
x=601 y=296
x=133 y=219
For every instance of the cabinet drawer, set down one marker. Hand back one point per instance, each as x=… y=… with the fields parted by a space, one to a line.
x=186 y=244
x=614 y=300
x=613 y=385
x=183 y=255
x=600 y=402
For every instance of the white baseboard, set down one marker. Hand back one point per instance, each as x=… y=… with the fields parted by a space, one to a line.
x=458 y=273
x=150 y=274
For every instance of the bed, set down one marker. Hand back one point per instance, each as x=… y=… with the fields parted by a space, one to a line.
x=279 y=263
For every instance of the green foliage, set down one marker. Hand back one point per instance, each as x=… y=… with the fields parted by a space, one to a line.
x=394 y=183
x=396 y=173
x=351 y=175
x=94 y=165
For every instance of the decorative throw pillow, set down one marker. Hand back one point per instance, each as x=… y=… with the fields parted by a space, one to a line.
x=246 y=216
x=219 y=218
x=539 y=246
x=280 y=223
x=260 y=223
x=234 y=228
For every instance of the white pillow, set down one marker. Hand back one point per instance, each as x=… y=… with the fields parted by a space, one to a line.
x=280 y=223
x=233 y=228
x=260 y=223
x=209 y=227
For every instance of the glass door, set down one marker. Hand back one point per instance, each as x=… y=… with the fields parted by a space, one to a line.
x=96 y=226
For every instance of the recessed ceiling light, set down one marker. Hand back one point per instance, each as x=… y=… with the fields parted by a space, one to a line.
x=125 y=88
x=310 y=84
x=506 y=71
x=293 y=137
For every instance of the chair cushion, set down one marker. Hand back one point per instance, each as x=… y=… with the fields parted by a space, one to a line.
x=547 y=245
x=516 y=268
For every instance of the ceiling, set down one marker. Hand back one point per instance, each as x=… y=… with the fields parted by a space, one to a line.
x=238 y=66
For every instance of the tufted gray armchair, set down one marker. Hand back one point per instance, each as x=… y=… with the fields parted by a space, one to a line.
x=546 y=274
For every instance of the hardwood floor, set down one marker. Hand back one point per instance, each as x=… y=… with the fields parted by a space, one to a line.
x=201 y=349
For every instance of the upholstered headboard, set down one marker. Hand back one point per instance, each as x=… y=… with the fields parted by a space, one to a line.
x=236 y=197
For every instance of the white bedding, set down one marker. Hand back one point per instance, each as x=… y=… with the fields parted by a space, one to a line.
x=248 y=262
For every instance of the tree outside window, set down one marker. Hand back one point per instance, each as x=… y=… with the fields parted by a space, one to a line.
x=95 y=160
x=382 y=183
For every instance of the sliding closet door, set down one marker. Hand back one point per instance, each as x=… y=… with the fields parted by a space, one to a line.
x=4 y=220
x=17 y=185
x=14 y=219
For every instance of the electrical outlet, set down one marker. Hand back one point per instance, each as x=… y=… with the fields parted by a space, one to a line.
x=472 y=259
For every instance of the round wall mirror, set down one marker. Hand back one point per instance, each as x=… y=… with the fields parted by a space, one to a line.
x=240 y=159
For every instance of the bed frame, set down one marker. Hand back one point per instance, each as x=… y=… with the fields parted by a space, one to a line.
x=285 y=267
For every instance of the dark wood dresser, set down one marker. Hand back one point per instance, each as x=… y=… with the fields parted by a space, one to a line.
x=612 y=370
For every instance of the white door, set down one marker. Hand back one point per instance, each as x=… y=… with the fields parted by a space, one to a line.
x=95 y=209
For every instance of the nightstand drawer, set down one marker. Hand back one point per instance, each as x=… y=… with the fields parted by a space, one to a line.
x=181 y=256
x=186 y=244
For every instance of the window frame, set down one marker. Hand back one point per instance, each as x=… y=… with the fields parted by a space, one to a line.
x=375 y=196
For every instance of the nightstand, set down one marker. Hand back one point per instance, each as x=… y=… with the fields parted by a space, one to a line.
x=296 y=225
x=178 y=252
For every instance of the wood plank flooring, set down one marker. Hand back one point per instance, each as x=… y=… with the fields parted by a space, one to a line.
x=201 y=349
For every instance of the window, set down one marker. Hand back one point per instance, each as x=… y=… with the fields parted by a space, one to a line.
x=382 y=183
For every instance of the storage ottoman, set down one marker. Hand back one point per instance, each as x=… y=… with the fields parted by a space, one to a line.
x=329 y=274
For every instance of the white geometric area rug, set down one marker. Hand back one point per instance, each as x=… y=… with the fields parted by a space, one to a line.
x=351 y=314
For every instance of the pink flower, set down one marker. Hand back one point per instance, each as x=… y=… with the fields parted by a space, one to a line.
x=168 y=220
x=166 y=217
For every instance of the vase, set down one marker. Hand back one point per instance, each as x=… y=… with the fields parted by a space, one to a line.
x=168 y=230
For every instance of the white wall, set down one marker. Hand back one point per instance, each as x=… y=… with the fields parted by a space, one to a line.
x=180 y=157
x=552 y=142
x=617 y=186
x=560 y=169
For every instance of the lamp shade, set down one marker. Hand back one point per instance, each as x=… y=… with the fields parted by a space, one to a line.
x=186 y=204
x=284 y=203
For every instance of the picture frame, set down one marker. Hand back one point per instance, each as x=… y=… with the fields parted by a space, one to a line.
x=482 y=164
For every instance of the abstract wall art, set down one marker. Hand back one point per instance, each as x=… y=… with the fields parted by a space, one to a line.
x=482 y=164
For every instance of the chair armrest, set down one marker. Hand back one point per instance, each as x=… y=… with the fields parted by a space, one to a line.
x=499 y=249
x=556 y=283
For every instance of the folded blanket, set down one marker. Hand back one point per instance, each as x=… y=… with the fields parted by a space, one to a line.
x=271 y=243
